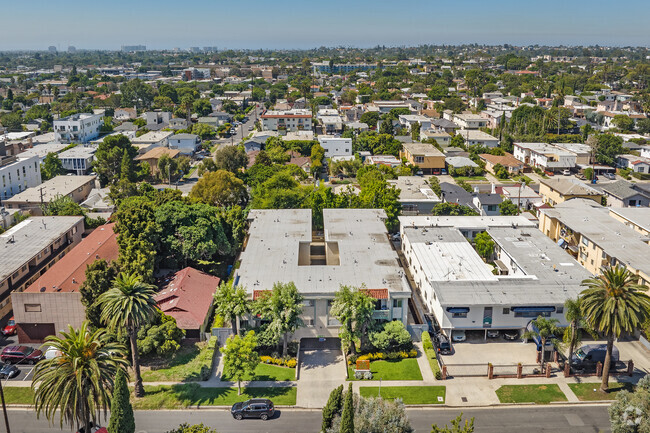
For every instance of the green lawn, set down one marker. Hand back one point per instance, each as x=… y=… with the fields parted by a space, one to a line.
x=184 y=366
x=471 y=178
x=408 y=394
x=403 y=369
x=18 y=395
x=541 y=394
x=585 y=391
x=178 y=396
x=270 y=372
x=433 y=362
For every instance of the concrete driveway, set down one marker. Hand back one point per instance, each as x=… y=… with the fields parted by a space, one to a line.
x=321 y=370
x=497 y=352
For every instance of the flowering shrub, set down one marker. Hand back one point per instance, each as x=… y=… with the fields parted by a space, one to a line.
x=288 y=362
x=377 y=356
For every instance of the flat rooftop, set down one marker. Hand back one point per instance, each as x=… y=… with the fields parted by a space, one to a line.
x=465 y=222
x=545 y=149
x=277 y=239
x=41 y=150
x=426 y=149
x=58 y=185
x=568 y=186
x=540 y=272
x=78 y=152
x=593 y=221
x=414 y=188
x=639 y=216
x=27 y=239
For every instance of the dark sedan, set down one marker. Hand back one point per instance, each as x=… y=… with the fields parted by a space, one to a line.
x=8 y=371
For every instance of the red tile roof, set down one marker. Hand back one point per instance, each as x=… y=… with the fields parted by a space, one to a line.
x=376 y=293
x=69 y=273
x=259 y=293
x=188 y=297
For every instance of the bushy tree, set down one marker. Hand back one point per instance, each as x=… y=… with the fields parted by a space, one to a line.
x=196 y=428
x=51 y=167
x=457 y=426
x=372 y=415
x=122 y=419
x=231 y=303
x=500 y=171
x=231 y=158
x=454 y=209
x=282 y=307
x=484 y=245
x=630 y=413
x=99 y=279
x=393 y=337
x=353 y=307
x=108 y=158
x=608 y=147
x=161 y=336
x=220 y=188
x=507 y=207
x=240 y=357
x=137 y=93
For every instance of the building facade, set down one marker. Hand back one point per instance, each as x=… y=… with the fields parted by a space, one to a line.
x=19 y=174
x=78 y=128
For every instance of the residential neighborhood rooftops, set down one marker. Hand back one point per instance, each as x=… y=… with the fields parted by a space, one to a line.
x=639 y=216
x=356 y=247
x=414 y=188
x=158 y=152
x=621 y=189
x=505 y=160
x=153 y=137
x=49 y=190
x=27 y=239
x=423 y=149
x=69 y=273
x=569 y=186
x=460 y=161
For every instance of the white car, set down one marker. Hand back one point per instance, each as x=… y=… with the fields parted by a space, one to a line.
x=52 y=353
x=458 y=335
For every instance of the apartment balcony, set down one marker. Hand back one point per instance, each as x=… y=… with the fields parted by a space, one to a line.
x=381 y=314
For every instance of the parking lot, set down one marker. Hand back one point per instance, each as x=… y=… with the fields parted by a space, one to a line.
x=498 y=351
x=26 y=371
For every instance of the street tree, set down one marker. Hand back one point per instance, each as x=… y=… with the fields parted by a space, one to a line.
x=231 y=304
x=282 y=307
x=122 y=419
x=614 y=303
x=347 y=416
x=220 y=188
x=231 y=158
x=240 y=358
x=457 y=426
x=126 y=307
x=546 y=330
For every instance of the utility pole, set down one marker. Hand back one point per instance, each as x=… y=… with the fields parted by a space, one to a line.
x=4 y=408
x=41 y=191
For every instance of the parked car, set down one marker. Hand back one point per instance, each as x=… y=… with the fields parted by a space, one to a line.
x=566 y=172
x=8 y=371
x=10 y=329
x=458 y=335
x=511 y=334
x=17 y=354
x=532 y=329
x=590 y=354
x=52 y=353
x=93 y=429
x=255 y=408
x=442 y=344
x=492 y=333
x=610 y=176
x=580 y=176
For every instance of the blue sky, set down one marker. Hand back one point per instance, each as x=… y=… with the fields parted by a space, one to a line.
x=36 y=24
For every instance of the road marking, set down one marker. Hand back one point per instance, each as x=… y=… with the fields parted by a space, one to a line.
x=574 y=420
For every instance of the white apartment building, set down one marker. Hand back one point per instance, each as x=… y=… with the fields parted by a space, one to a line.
x=408 y=120
x=78 y=159
x=336 y=146
x=288 y=120
x=78 y=128
x=534 y=276
x=18 y=174
x=475 y=137
x=470 y=121
x=544 y=156
x=185 y=143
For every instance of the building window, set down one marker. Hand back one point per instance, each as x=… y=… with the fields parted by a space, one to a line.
x=397 y=303
x=506 y=311
x=559 y=310
x=32 y=308
x=308 y=303
x=419 y=159
x=585 y=241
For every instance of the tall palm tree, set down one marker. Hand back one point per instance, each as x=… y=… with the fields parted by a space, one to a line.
x=546 y=331
x=231 y=304
x=79 y=382
x=282 y=307
x=129 y=305
x=614 y=303
x=575 y=316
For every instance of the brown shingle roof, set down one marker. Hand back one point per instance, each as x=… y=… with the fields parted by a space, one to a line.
x=158 y=152
x=506 y=160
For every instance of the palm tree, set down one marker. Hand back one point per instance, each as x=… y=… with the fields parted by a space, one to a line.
x=79 y=382
x=129 y=305
x=282 y=307
x=614 y=303
x=575 y=317
x=231 y=304
x=546 y=331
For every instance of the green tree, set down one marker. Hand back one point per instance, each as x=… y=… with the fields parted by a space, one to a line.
x=457 y=426
x=643 y=126
x=484 y=245
x=161 y=336
x=370 y=118
x=507 y=207
x=240 y=358
x=613 y=303
x=332 y=408
x=122 y=419
x=347 y=416
x=231 y=303
x=415 y=131
x=220 y=188
x=608 y=147
x=317 y=157
x=231 y=158
x=630 y=413
x=202 y=107
x=547 y=330
x=392 y=338
x=353 y=307
x=500 y=171
x=51 y=167
x=78 y=383
x=574 y=315
x=99 y=279
x=386 y=127
x=457 y=141
x=137 y=93
x=282 y=307
x=454 y=209
x=126 y=307
x=109 y=156
x=206 y=132
x=623 y=122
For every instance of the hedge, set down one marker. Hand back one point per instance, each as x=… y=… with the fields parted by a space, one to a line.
x=376 y=356
x=289 y=362
x=430 y=352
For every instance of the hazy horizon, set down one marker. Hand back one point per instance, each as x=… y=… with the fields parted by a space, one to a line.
x=287 y=24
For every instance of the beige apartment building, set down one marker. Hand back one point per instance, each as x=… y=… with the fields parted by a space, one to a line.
x=31 y=247
x=32 y=199
x=596 y=239
x=560 y=189
x=424 y=155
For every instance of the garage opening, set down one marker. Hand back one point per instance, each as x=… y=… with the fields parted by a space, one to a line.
x=34 y=332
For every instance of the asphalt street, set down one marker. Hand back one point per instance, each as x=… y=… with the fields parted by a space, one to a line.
x=512 y=419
